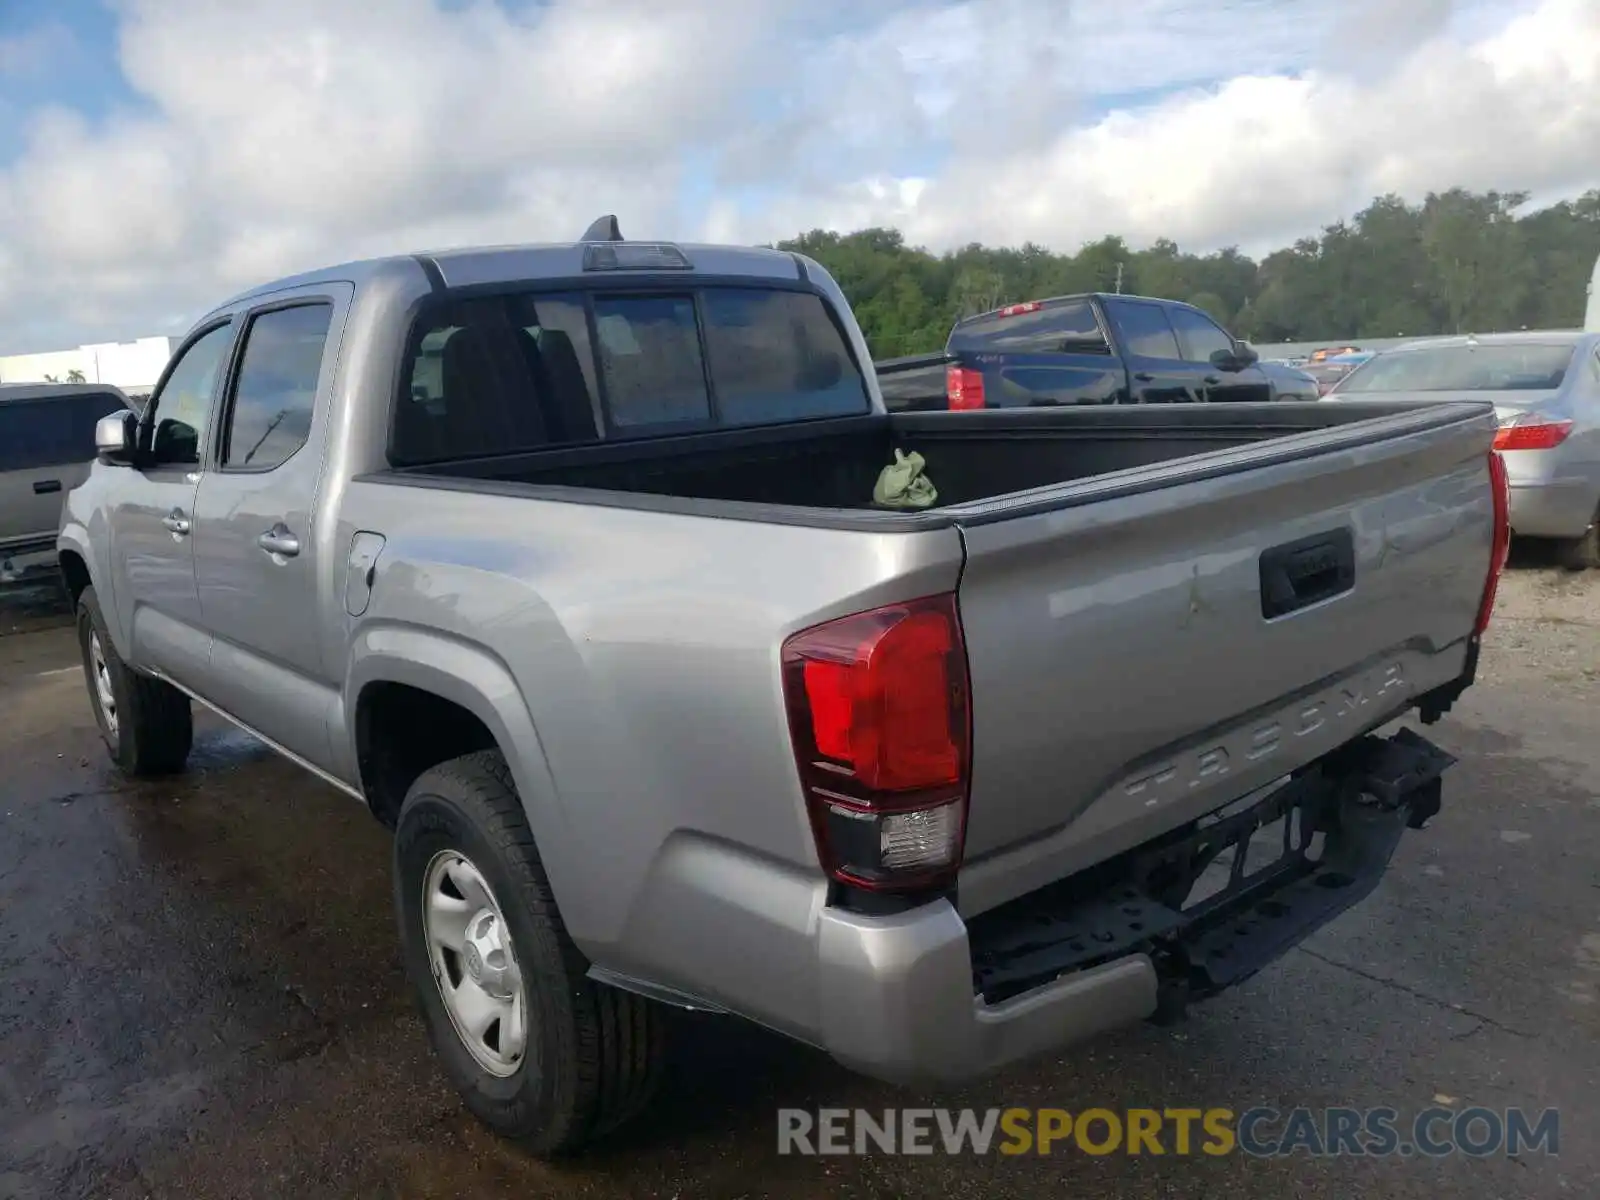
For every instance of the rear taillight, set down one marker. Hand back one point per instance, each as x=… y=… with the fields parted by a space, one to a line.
x=1016 y=310
x=1540 y=435
x=963 y=388
x=1500 y=541
x=880 y=717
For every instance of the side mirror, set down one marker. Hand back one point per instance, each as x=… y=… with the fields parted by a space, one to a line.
x=1237 y=359
x=116 y=437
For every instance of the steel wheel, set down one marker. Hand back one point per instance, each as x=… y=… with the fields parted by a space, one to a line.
x=104 y=695
x=474 y=963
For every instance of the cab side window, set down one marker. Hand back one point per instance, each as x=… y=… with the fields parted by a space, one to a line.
x=1200 y=336
x=276 y=390
x=182 y=408
x=1144 y=329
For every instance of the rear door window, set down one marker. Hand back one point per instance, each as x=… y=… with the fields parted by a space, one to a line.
x=1144 y=329
x=1053 y=328
x=275 y=394
x=52 y=432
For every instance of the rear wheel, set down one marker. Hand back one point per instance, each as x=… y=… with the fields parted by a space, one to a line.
x=539 y=1052
x=146 y=724
x=1581 y=553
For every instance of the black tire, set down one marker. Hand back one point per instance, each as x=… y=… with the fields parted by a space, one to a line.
x=152 y=730
x=1581 y=553
x=595 y=1054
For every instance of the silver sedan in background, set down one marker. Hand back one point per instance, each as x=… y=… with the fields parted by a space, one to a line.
x=1546 y=391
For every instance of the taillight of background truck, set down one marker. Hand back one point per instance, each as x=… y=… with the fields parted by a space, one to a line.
x=880 y=716
x=1500 y=542
x=963 y=388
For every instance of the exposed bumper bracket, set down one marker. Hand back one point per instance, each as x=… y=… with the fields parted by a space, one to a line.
x=1341 y=820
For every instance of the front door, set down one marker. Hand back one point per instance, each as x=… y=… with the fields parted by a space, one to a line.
x=152 y=520
x=256 y=550
x=1157 y=371
x=1200 y=337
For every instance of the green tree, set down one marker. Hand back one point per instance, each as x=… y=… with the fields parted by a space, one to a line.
x=1210 y=302
x=1459 y=260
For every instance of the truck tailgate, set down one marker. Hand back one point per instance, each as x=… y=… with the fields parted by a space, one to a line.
x=1148 y=645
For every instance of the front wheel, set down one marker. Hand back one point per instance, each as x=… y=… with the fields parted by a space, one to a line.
x=540 y=1053
x=146 y=724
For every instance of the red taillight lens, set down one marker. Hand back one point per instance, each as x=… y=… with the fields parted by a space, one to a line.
x=880 y=718
x=1016 y=310
x=963 y=388
x=1542 y=435
x=1500 y=542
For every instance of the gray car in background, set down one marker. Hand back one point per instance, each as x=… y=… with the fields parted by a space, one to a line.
x=46 y=445
x=1546 y=391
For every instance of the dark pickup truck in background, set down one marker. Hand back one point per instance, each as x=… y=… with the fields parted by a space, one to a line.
x=1091 y=349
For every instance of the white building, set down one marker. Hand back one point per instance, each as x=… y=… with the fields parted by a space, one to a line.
x=132 y=366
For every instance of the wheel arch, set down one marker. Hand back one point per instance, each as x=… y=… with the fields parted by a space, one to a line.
x=415 y=698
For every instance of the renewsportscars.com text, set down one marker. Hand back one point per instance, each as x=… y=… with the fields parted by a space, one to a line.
x=1259 y=1132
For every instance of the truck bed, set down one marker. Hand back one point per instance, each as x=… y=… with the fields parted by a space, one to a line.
x=1164 y=608
x=972 y=458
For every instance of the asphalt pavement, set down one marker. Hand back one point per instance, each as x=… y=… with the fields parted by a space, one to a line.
x=200 y=994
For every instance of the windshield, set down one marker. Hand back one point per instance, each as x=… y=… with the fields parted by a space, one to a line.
x=1512 y=367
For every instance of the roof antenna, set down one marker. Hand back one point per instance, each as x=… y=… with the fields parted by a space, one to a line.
x=603 y=230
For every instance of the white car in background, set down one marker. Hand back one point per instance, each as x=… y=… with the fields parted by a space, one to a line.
x=1546 y=390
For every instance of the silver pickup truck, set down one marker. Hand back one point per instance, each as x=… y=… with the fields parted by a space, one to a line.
x=565 y=561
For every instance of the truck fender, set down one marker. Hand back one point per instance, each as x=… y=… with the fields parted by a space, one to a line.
x=74 y=538
x=467 y=675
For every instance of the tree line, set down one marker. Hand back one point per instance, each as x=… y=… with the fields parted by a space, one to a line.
x=1458 y=262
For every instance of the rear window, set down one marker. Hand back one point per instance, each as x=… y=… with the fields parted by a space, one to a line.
x=1511 y=367
x=53 y=432
x=528 y=371
x=1063 y=327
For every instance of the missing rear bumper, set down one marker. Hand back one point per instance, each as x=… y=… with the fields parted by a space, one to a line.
x=1338 y=824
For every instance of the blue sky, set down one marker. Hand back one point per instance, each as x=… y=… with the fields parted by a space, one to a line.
x=61 y=53
x=158 y=154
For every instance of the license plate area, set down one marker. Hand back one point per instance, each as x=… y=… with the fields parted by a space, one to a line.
x=1214 y=902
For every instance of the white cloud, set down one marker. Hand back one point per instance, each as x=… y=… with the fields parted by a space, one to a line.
x=274 y=137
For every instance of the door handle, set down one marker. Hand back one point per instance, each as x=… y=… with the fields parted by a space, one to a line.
x=1143 y=376
x=1212 y=380
x=176 y=522
x=278 y=540
x=43 y=487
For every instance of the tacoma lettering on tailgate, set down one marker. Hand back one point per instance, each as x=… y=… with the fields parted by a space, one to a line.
x=1336 y=714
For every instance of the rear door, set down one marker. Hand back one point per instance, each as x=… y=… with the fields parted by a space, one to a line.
x=1158 y=373
x=255 y=541
x=1199 y=337
x=46 y=446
